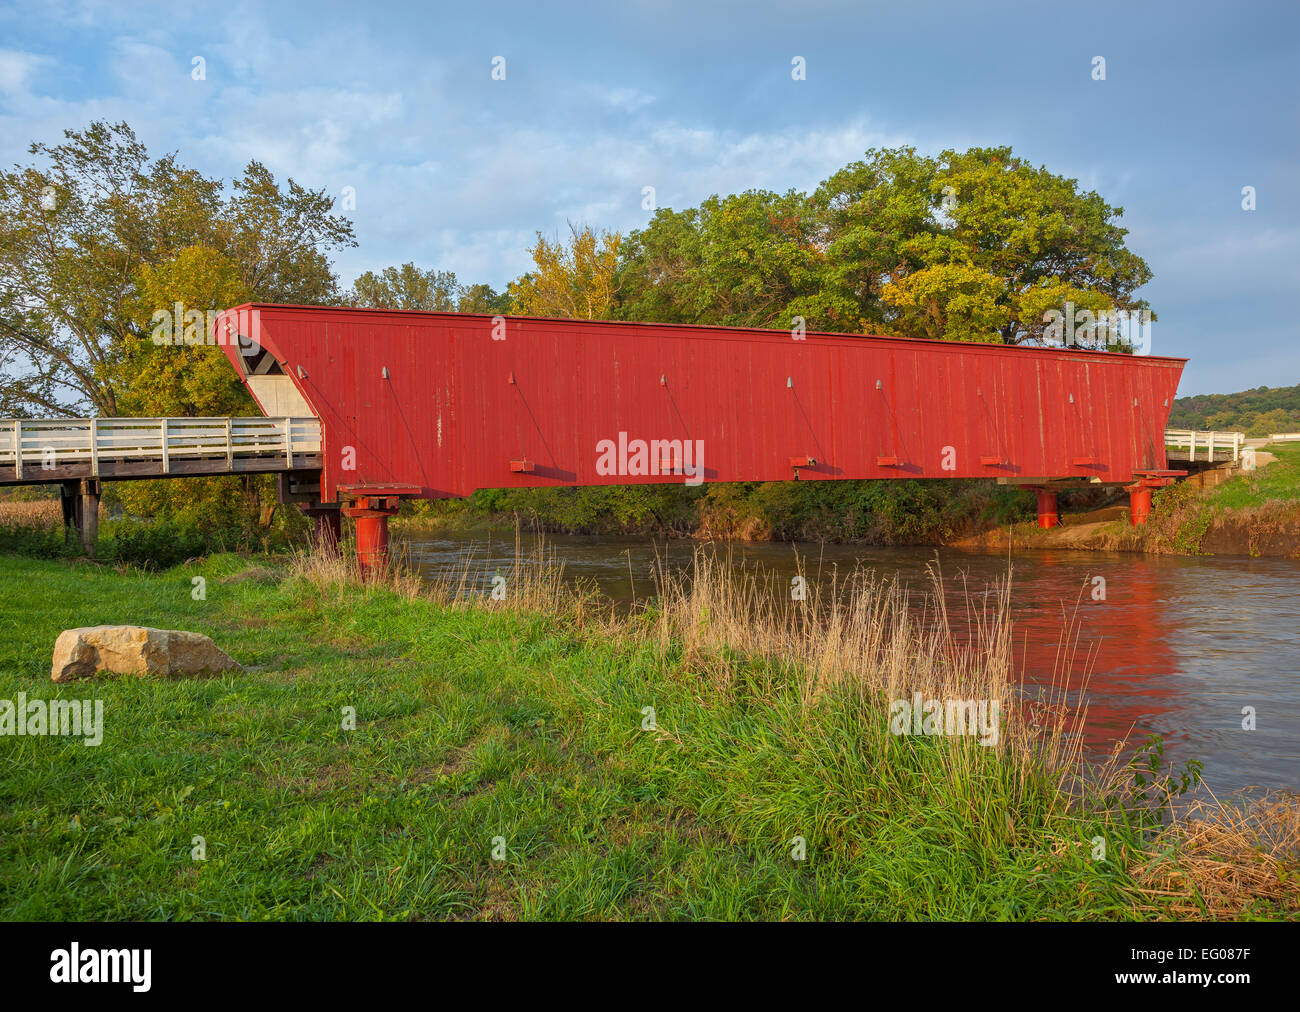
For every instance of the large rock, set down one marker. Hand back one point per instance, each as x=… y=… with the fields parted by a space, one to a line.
x=135 y=650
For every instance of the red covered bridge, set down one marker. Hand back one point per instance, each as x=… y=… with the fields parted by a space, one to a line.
x=433 y=405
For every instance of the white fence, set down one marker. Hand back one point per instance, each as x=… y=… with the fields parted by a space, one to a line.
x=50 y=442
x=1187 y=441
x=1284 y=437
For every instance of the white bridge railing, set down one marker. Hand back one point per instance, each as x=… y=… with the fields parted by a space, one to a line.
x=50 y=442
x=1184 y=443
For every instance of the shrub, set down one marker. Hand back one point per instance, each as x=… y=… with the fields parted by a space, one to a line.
x=35 y=528
x=157 y=544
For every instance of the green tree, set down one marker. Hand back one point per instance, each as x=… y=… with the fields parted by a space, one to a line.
x=748 y=260
x=83 y=225
x=1032 y=229
x=967 y=246
x=407 y=288
x=181 y=379
x=951 y=302
x=870 y=217
x=483 y=299
x=573 y=279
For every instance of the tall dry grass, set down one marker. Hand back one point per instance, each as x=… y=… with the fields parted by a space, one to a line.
x=1216 y=858
x=534 y=580
x=874 y=639
x=41 y=513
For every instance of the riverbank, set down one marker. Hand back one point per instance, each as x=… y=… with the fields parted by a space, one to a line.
x=1253 y=514
x=706 y=757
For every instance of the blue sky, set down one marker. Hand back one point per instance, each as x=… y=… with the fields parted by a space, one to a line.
x=454 y=170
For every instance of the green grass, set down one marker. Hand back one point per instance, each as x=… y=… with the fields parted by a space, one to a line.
x=476 y=724
x=1278 y=482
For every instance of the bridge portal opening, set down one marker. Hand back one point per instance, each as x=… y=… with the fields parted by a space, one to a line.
x=270 y=386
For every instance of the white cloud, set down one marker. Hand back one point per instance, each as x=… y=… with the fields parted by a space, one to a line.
x=16 y=70
x=445 y=173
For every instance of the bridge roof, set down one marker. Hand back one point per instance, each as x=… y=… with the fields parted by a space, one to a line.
x=701 y=329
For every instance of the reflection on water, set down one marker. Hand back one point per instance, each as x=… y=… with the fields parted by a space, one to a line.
x=1177 y=647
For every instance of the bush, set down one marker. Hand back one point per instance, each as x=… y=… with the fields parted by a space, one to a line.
x=157 y=544
x=37 y=540
x=32 y=525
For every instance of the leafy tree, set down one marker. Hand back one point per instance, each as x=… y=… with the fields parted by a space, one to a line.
x=407 y=288
x=182 y=379
x=868 y=213
x=573 y=280
x=749 y=260
x=973 y=246
x=82 y=227
x=954 y=302
x=482 y=299
x=1030 y=228
x=278 y=238
x=188 y=380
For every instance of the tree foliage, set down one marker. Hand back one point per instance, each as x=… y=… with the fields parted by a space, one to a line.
x=573 y=279
x=1259 y=412
x=973 y=246
x=430 y=291
x=182 y=379
x=92 y=226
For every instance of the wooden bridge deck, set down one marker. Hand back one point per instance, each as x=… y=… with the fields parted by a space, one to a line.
x=43 y=450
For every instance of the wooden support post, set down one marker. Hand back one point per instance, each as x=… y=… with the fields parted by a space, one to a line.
x=94 y=447
x=328 y=534
x=89 y=519
x=230 y=446
x=288 y=442
x=166 y=459
x=18 y=448
x=69 y=499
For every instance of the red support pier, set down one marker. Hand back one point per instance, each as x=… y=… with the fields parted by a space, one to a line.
x=1139 y=505
x=370 y=506
x=1139 y=493
x=1047 y=509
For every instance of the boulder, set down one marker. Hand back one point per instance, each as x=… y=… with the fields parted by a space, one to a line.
x=136 y=650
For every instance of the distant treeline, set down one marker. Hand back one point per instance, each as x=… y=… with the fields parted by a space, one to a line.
x=877 y=512
x=1258 y=412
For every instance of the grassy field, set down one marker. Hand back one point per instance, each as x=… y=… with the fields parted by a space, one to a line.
x=521 y=726
x=1279 y=482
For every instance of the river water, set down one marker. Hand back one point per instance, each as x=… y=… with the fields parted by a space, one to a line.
x=1178 y=647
